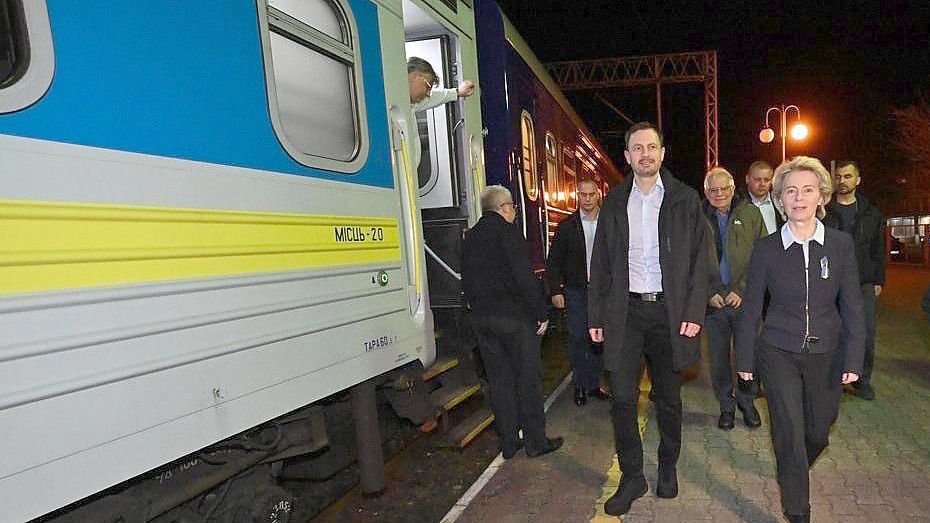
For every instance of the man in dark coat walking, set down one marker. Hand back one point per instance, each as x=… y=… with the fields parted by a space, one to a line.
x=567 y=272
x=509 y=315
x=647 y=297
x=852 y=213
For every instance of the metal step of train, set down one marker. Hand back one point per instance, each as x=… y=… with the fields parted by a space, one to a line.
x=457 y=383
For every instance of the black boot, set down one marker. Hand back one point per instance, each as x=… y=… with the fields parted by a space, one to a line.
x=803 y=518
x=630 y=490
x=667 y=484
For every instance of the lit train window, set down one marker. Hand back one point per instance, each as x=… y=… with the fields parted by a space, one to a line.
x=26 y=60
x=556 y=194
x=569 y=178
x=312 y=69
x=529 y=156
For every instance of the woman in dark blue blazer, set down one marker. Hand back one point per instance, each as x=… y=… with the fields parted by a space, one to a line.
x=813 y=339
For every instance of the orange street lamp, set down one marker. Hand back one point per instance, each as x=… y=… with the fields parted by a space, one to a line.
x=798 y=131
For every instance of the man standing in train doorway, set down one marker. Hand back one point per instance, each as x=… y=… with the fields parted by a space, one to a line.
x=647 y=297
x=568 y=267
x=852 y=213
x=424 y=95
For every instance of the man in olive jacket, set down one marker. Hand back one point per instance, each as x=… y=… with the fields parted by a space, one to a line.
x=647 y=297
x=735 y=225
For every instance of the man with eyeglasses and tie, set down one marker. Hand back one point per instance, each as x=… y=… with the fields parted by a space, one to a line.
x=568 y=267
x=424 y=95
x=509 y=316
x=734 y=226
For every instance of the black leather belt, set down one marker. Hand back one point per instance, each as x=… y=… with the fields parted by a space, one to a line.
x=648 y=296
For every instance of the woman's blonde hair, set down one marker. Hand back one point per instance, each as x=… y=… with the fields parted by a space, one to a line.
x=802 y=163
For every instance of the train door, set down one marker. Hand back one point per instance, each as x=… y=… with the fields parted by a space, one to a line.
x=444 y=159
x=437 y=128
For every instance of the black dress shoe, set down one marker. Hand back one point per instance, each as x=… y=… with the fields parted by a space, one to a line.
x=667 y=484
x=803 y=518
x=580 y=397
x=630 y=490
x=727 y=420
x=552 y=445
x=600 y=394
x=864 y=391
x=751 y=416
x=508 y=453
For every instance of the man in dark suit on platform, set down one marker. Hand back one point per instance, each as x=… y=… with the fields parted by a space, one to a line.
x=567 y=269
x=509 y=315
x=647 y=297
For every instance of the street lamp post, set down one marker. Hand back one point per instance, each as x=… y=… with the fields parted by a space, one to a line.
x=798 y=131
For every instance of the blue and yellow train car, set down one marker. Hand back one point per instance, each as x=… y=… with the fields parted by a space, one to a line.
x=207 y=220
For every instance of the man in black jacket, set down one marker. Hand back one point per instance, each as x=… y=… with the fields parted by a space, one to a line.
x=509 y=315
x=567 y=270
x=647 y=297
x=855 y=215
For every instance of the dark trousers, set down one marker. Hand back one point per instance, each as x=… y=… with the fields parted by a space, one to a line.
x=510 y=353
x=585 y=356
x=803 y=393
x=868 y=306
x=719 y=324
x=647 y=334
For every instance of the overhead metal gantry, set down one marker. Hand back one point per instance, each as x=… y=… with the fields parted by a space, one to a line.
x=636 y=71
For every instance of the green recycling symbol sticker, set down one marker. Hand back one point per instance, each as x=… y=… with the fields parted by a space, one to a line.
x=383 y=278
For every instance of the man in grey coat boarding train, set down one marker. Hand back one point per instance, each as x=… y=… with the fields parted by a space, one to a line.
x=647 y=297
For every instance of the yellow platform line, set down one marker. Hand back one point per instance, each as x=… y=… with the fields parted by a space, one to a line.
x=614 y=474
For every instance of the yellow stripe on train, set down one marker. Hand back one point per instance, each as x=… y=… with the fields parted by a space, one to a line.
x=62 y=245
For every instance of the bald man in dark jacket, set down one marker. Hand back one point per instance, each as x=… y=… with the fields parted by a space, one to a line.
x=509 y=315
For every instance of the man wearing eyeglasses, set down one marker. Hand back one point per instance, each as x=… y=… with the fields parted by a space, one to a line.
x=509 y=315
x=424 y=95
x=734 y=227
x=567 y=270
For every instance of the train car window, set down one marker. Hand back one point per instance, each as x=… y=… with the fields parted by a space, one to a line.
x=322 y=14
x=556 y=194
x=14 y=48
x=569 y=178
x=312 y=68
x=26 y=61
x=528 y=140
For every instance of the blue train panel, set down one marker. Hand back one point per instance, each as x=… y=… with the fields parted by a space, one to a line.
x=213 y=110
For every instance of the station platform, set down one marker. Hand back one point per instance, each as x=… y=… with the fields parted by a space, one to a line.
x=876 y=469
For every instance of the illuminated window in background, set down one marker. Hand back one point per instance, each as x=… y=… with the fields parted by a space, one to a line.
x=569 y=178
x=314 y=61
x=552 y=172
x=529 y=156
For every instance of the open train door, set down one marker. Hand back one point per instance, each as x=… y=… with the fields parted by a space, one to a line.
x=449 y=177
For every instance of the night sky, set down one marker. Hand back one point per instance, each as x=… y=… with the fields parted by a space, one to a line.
x=845 y=67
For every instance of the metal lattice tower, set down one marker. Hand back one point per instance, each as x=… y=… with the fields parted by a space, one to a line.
x=633 y=71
